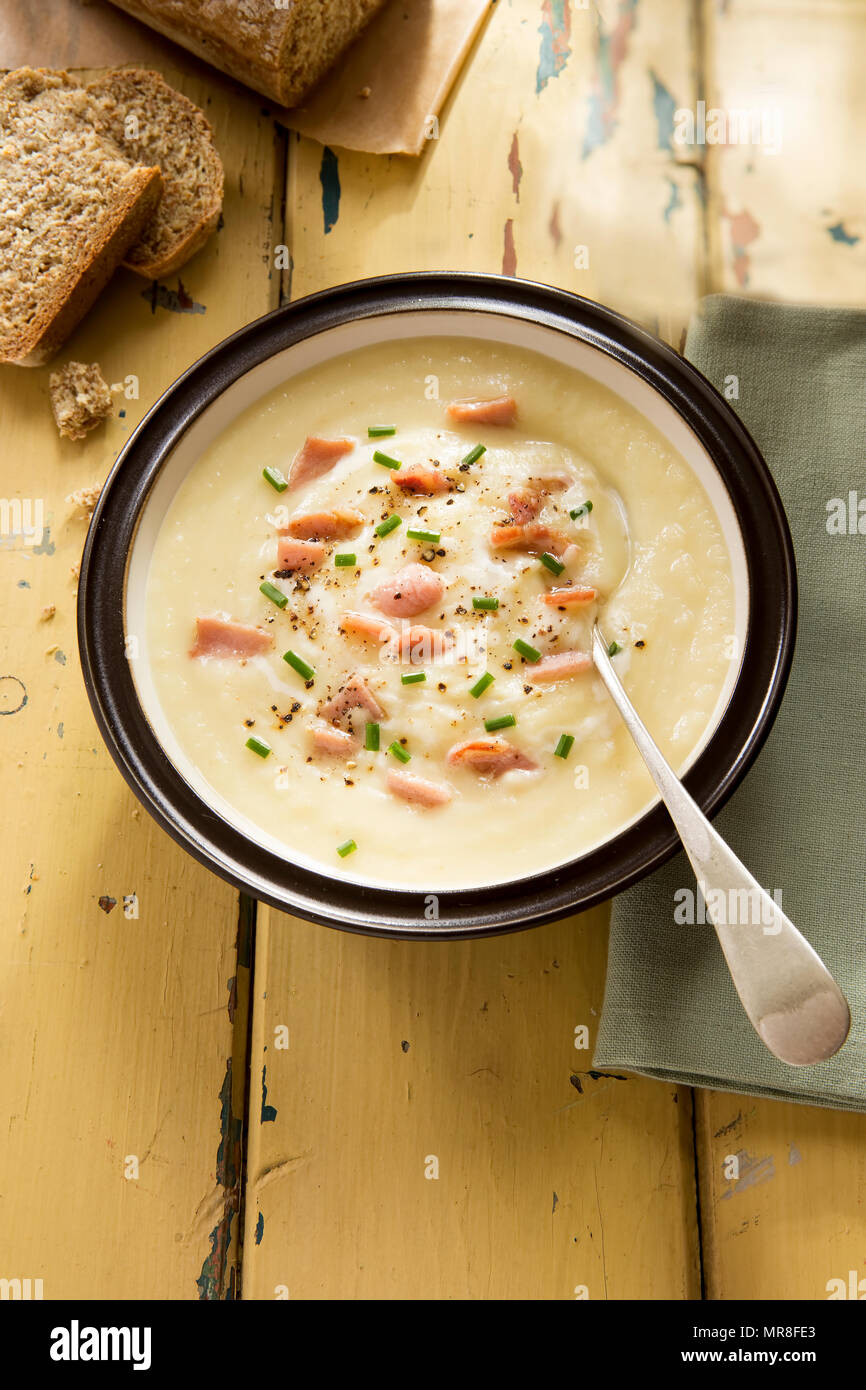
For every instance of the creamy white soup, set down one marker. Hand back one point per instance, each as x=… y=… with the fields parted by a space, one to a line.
x=370 y=604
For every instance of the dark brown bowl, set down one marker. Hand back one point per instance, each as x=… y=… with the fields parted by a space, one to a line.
x=481 y=307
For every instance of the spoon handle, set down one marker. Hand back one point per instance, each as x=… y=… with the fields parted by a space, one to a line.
x=791 y=998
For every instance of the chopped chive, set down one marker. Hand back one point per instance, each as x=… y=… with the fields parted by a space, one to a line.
x=399 y=752
x=259 y=746
x=501 y=721
x=486 y=605
x=526 y=651
x=298 y=664
x=564 y=746
x=581 y=511
x=474 y=454
x=347 y=847
x=415 y=678
x=380 y=431
x=371 y=738
x=388 y=525
x=274 y=594
x=614 y=648
x=275 y=478
x=550 y=562
x=483 y=683
x=386 y=460
x=344 y=559
x=433 y=537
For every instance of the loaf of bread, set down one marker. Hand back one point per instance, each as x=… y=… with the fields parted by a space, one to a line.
x=71 y=206
x=278 y=47
x=153 y=124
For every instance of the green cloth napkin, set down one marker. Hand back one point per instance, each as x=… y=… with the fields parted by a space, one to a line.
x=799 y=819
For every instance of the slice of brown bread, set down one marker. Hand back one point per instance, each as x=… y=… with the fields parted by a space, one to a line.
x=71 y=206
x=80 y=398
x=278 y=47
x=154 y=124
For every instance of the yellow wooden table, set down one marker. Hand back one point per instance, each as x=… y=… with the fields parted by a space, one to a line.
x=202 y=1100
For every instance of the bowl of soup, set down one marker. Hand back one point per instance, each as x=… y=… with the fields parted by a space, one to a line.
x=337 y=595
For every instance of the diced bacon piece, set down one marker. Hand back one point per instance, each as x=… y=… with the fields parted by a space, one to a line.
x=506 y=536
x=411 y=590
x=530 y=536
x=415 y=478
x=216 y=637
x=355 y=694
x=412 y=643
x=324 y=526
x=501 y=410
x=524 y=504
x=564 y=598
x=317 y=456
x=420 y=644
x=365 y=625
x=298 y=557
x=559 y=667
x=490 y=757
x=326 y=739
x=418 y=790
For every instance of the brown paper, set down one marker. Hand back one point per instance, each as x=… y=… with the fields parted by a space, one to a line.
x=407 y=59
x=80 y=34
x=382 y=96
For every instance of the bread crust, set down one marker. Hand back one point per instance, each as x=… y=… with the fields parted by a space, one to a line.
x=127 y=85
x=183 y=252
x=251 y=40
x=86 y=267
x=82 y=284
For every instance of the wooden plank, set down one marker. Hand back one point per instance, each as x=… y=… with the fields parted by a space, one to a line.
x=550 y=1180
x=784 y=225
x=430 y=1130
x=116 y=1030
x=782 y=1191
x=787 y=212
x=553 y=160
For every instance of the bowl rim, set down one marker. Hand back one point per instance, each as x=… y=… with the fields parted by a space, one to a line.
x=463 y=912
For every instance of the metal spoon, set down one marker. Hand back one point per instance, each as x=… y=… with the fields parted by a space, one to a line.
x=792 y=1000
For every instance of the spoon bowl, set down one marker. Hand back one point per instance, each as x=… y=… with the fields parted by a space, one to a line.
x=789 y=995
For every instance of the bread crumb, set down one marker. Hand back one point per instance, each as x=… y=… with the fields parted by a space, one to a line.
x=86 y=498
x=364 y=93
x=49 y=651
x=47 y=613
x=80 y=398
x=75 y=570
